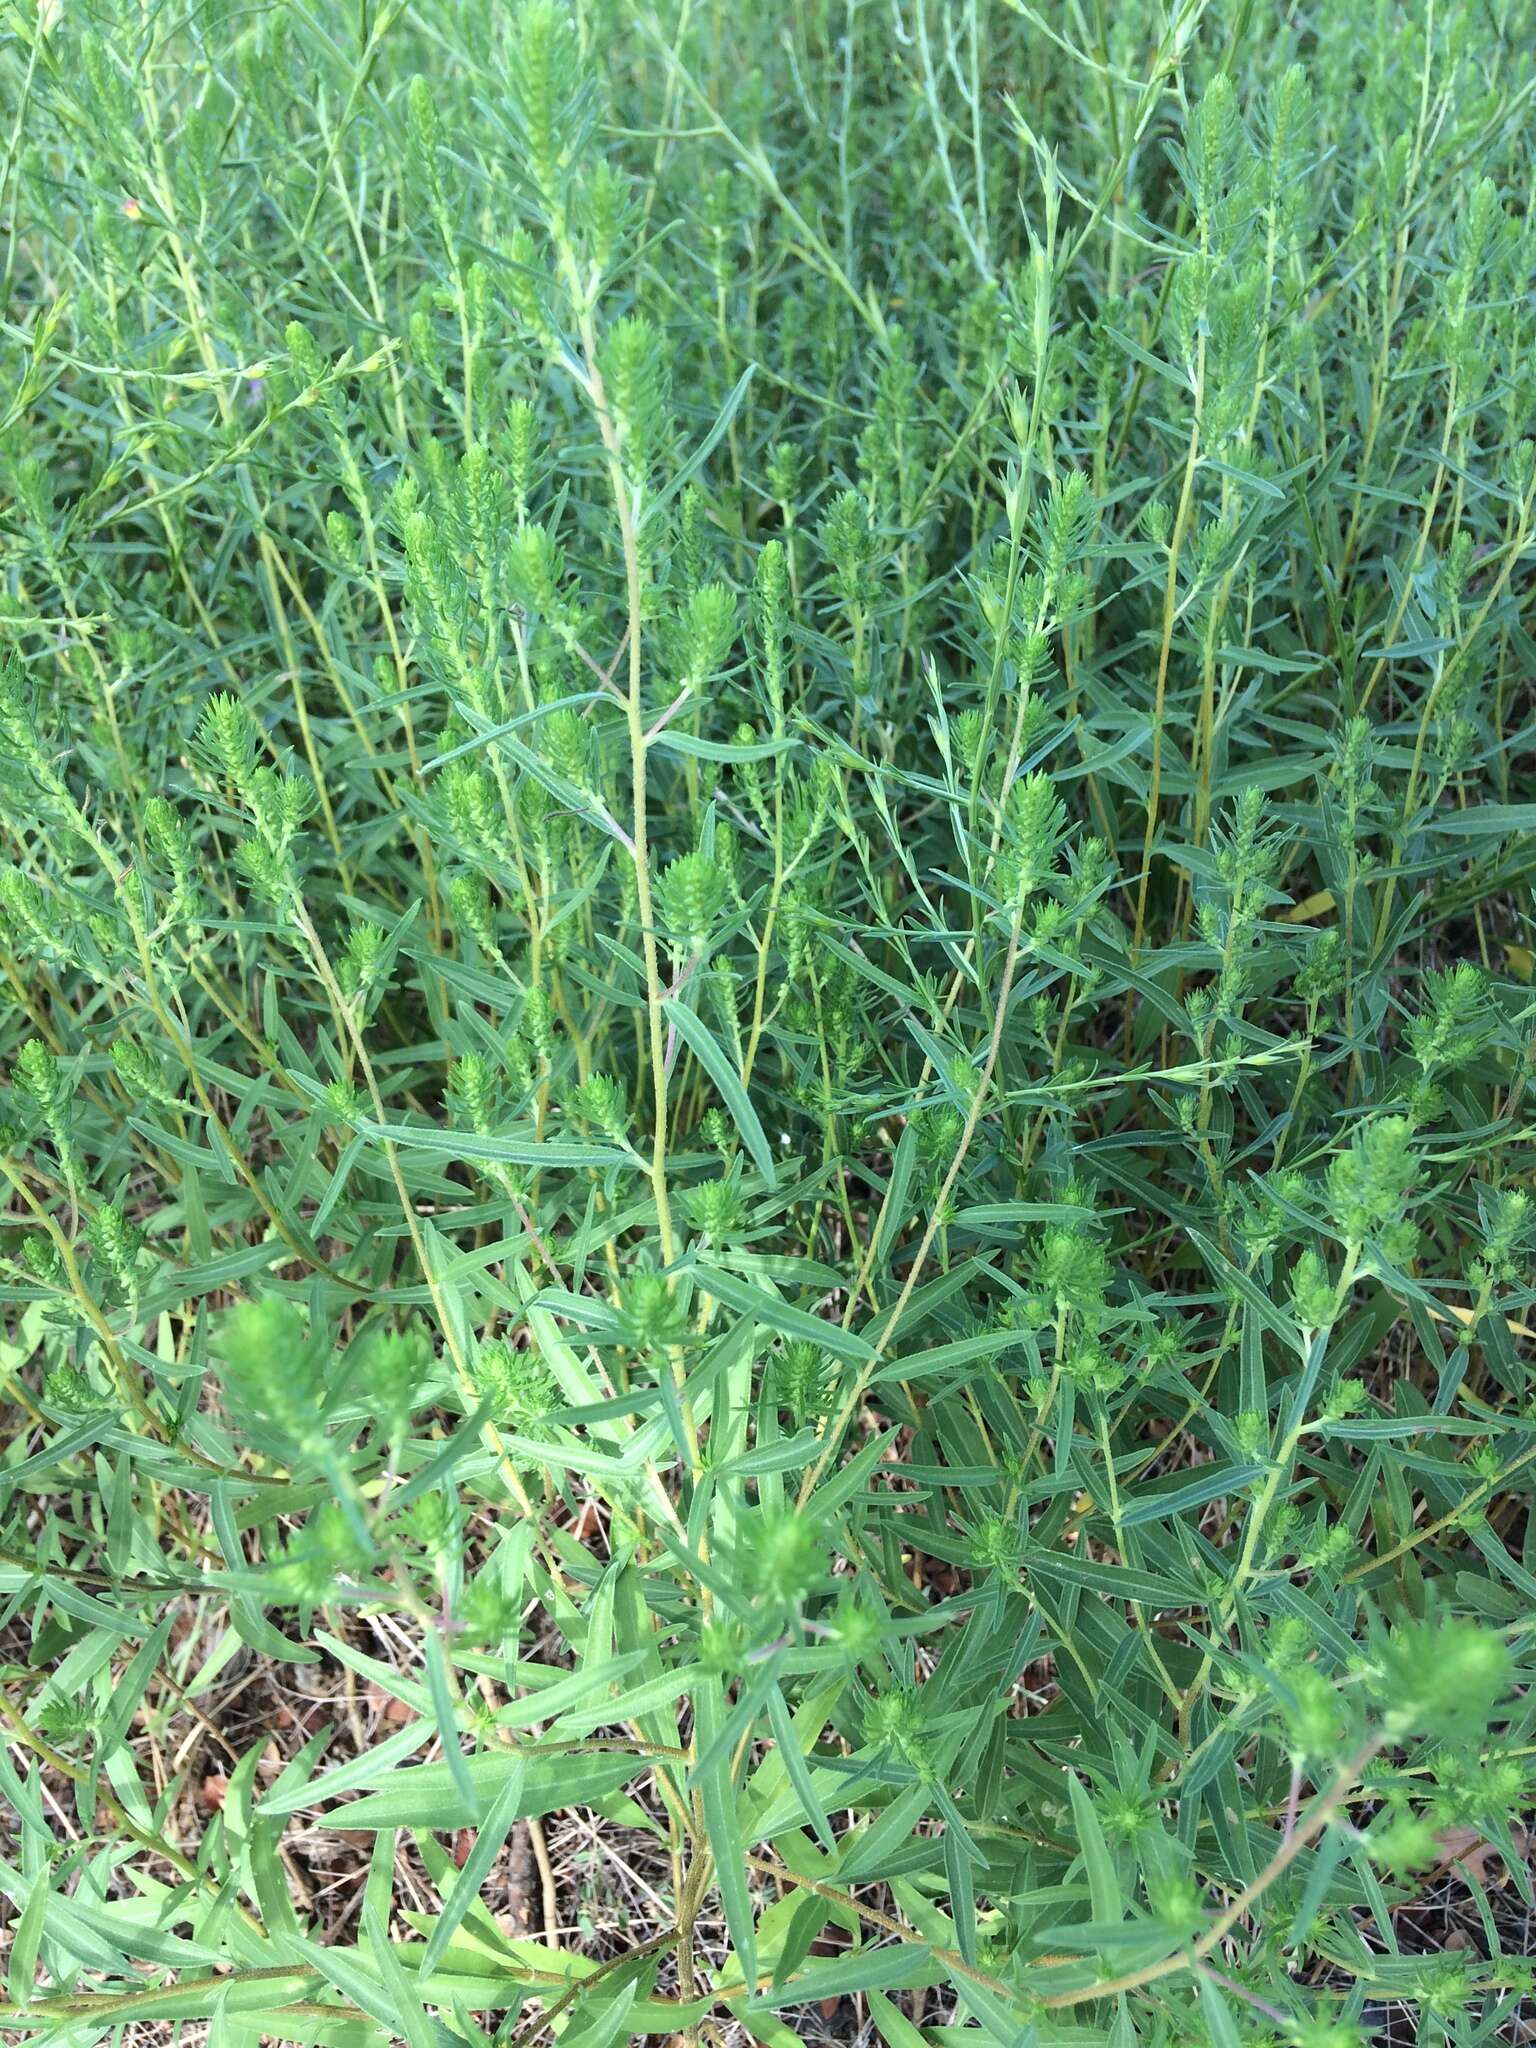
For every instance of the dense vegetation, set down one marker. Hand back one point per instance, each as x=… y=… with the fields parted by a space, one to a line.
x=768 y=801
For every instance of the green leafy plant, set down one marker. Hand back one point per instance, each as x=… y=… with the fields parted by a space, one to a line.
x=768 y=823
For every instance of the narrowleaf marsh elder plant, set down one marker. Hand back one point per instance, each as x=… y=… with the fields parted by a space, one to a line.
x=768 y=820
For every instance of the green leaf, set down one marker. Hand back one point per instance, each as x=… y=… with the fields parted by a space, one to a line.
x=711 y=1056
x=428 y=1795
x=403 y=1995
x=774 y=1314
x=1218 y=2014
x=493 y=1832
x=726 y=1845
x=1156 y=1503
x=1105 y=1896
x=795 y=1765
x=1112 y=1581
x=447 y=1723
x=891 y=2024
x=899 y=1966
x=707 y=446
